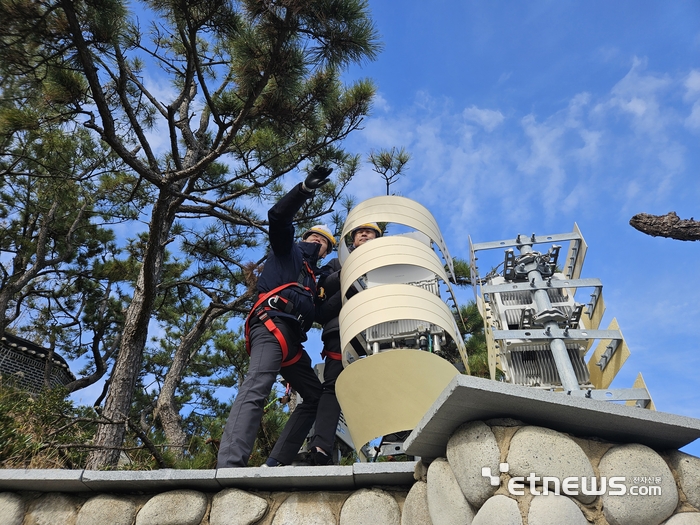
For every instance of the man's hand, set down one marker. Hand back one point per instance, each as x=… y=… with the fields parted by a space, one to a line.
x=316 y=178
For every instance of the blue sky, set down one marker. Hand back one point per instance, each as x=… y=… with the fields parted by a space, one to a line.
x=525 y=117
x=528 y=117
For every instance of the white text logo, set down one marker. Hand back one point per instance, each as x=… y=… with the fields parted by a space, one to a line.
x=572 y=486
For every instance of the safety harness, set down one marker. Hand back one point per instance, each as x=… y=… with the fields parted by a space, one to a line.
x=273 y=301
x=337 y=356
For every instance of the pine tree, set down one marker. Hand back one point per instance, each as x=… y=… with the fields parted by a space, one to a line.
x=254 y=93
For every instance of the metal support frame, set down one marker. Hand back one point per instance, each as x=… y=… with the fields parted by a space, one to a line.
x=595 y=297
x=608 y=354
x=546 y=323
x=543 y=285
x=617 y=394
x=544 y=305
x=557 y=333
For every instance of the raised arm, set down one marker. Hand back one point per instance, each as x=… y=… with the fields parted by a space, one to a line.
x=282 y=214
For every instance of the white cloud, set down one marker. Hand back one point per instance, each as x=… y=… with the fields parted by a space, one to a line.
x=692 y=84
x=577 y=108
x=380 y=104
x=600 y=154
x=489 y=119
x=545 y=163
x=544 y=139
x=692 y=95
x=693 y=120
x=638 y=96
x=504 y=77
x=632 y=191
x=387 y=132
x=590 y=151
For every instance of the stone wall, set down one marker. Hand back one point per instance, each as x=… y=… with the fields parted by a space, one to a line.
x=492 y=474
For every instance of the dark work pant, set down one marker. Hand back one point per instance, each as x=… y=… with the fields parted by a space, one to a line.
x=304 y=380
x=246 y=412
x=328 y=412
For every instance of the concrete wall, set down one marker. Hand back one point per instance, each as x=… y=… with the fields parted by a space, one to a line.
x=492 y=474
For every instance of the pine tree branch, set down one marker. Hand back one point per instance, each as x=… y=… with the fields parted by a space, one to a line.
x=669 y=225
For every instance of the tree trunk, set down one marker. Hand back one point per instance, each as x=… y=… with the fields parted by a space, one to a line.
x=110 y=437
x=166 y=410
x=669 y=225
x=171 y=422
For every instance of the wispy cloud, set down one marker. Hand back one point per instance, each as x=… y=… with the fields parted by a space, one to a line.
x=692 y=96
x=639 y=96
x=612 y=153
x=489 y=119
x=380 y=104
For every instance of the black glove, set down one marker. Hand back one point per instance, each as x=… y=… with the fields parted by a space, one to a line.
x=316 y=178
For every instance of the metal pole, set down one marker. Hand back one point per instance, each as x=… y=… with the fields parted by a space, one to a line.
x=558 y=347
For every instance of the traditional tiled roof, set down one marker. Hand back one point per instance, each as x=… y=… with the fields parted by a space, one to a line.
x=26 y=361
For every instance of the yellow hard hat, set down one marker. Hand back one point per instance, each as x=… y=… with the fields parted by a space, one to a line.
x=324 y=231
x=369 y=226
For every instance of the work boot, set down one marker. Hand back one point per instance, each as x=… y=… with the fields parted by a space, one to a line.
x=319 y=457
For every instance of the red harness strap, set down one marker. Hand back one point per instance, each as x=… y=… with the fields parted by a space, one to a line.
x=272 y=327
x=332 y=355
x=260 y=310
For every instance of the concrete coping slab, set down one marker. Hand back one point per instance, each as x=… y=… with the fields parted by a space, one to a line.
x=150 y=480
x=287 y=478
x=42 y=480
x=469 y=398
x=384 y=473
x=331 y=478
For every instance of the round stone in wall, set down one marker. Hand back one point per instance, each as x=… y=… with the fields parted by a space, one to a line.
x=446 y=503
x=548 y=453
x=177 y=507
x=107 y=508
x=11 y=508
x=645 y=493
x=53 y=508
x=499 y=509
x=685 y=518
x=236 y=507
x=554 y=510
x=688 y=469
x=307 y=508
x=370 y=506
x=415 y=508
x=470 y=449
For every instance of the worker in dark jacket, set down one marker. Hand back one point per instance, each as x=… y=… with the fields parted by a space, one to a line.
x=297 y=428
x=328 y=309
x=277 y=326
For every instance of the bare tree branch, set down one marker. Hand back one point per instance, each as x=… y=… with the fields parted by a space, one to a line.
x=669 y=225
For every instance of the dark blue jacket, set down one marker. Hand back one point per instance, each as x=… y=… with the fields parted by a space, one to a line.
x=285 y=261
x=328 y=306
